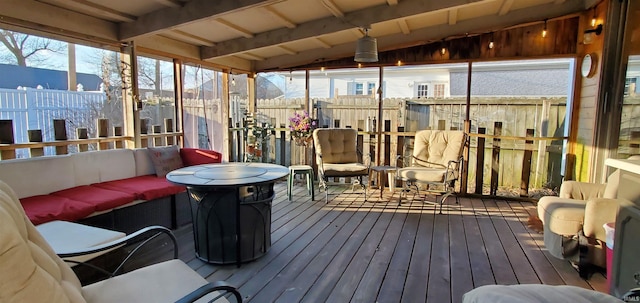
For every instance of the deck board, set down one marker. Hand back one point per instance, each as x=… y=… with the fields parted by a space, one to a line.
x=349 y=250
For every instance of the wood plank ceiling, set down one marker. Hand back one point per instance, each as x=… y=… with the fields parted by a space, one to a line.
x=257 y=35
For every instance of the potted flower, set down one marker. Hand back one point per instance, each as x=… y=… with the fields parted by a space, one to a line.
x=301 y=126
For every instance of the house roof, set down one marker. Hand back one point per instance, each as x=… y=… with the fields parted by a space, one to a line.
x=256 y=35
x=33 y=77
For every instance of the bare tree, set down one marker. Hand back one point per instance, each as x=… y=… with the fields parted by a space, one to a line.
x=29 y=49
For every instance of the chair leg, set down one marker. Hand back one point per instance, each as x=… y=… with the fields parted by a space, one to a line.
x=444 y=197
x=290 y=185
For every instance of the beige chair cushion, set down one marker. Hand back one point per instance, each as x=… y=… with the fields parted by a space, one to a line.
x=425 y=174
x=345 y=170
x=163 y=282
x=562 y=216
x=336 y=145
x=435 y=148
x=36 y=272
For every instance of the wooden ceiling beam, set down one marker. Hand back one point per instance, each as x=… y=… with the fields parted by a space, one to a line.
x=242 y=31
x=170 y=3
x=361 y=18
x=193 y=38
x=424 y=35
x=93 y=9
x=404 y=26
x=453 y=16
x=333 y=8
x=279 y=17
x=392 y=2
x=505 y=7
x=321 y=43
x=194 y=10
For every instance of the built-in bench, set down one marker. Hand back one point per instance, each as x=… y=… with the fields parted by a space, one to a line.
x=114 y=189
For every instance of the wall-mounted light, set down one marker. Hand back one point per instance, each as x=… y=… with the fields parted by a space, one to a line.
x=544 y=30
x=443 y=50
x=491 y=41
x=594 y=20
x=589 y=34
x=399 y=63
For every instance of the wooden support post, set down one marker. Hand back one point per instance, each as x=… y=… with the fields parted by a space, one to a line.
x=35 y=135
x=82 y=133
x=117 y=132
x=283 y=144
x=480 y=161
x=157 y=141
x=400 y=152
x=168 y=128
x=387 y=143
x=464 y=170
x=526 y=165
x=60 y=134
x=103 y=132
x=495 y=159
x=6 y=137
x=144 y=130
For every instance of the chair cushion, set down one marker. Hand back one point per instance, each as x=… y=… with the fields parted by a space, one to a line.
x=101 y=198
x=435 y=148
x=535 y=293
x=424 y=174
x=562 y=216
x=45 y=208
x=32 y=272
x=345 y=170
x=336 y=145
x=144 y=187
x=162 y=282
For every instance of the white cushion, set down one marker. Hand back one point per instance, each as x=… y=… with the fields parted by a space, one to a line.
x=535 y=293
x=67 y=237
x=144 y=165
x=163 y=282
x=38 y=176
x=105 y=165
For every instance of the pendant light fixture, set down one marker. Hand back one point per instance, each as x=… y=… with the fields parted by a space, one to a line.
x=366 y=48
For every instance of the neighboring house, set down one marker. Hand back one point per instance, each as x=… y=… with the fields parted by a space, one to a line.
x=21 y=76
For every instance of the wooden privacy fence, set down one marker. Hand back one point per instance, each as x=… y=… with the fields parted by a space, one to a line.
x=153 y=135
x=518 y=163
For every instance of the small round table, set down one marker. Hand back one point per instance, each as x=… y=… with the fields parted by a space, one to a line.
x=231 y=208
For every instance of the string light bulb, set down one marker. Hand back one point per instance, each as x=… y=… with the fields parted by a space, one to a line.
x=594 y=20
x=544 y=30
x=233 y=80
x=443 y=50
x=491 y=41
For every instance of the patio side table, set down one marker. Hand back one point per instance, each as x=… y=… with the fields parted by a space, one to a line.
x=382 y=181
x=302 y=170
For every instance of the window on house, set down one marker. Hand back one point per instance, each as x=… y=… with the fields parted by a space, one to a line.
x=630 y=86
x=359 y=88
x=371 y=88
x=423 y=90
x=438 y=91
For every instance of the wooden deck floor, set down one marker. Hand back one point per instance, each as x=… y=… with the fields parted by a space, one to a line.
x=354 y=251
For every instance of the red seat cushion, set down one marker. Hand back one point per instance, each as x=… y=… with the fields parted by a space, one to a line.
x=45 y=208
x=101 y=198
x=143 y=187
x=196 y=156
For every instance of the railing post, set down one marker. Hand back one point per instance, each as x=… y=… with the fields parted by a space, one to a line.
x=144 y=130
x=60 y=134
x=387 y=143
x=157 y=141
x=526 y=165
x=35 y=135
x=82 y=134
x=464 y=175
x=6 y=137
x=168 y=128
x=495 y=159
x=480 y=146
x=117 y=132
x=103 y=132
